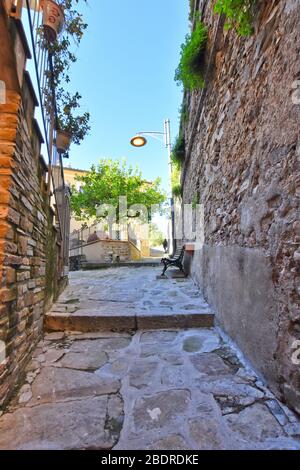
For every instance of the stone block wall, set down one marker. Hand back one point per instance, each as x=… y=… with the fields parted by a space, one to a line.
x=101 y=251
x=29 y=245
x=242 y=163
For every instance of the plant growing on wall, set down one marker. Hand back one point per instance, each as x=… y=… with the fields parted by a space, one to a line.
x=62 y=57
x=195 y=200
x=177 y=157
x=192 y=8
x=76 y=125
x=175 y=179
x=238 y=14
x=178 y=151
x=189 y=70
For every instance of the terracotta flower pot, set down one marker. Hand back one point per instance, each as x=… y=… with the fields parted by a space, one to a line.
x=190 y=248
x=53 y=19
x=63 y=141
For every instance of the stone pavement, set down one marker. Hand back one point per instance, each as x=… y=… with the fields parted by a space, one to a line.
x=157 y=389
x=151 y=387
x=125 y=298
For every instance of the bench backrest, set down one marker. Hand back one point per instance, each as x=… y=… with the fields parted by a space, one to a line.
x=179 y=253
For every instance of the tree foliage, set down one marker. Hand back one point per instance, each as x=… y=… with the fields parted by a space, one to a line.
x=106 y=182
x=156 y=236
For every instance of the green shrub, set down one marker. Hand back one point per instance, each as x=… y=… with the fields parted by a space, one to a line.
x=177 y=158
x=176 y=174
x=176 y=190
x=192 y=8
x=189 y=70
x=238 y=15
x=178 y=151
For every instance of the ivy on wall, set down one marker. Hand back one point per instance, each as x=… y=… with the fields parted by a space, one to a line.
x=177 y=158
x=176 y=185
x=178 y=151
x=192 y=8
x=189 y=71
x=238 y=15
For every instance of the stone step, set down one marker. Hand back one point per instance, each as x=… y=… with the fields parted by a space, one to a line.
x=87 y=266
x=129 y=321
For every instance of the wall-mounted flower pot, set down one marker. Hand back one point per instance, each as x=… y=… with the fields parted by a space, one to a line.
x=53 y=19
x=63 y=141
x=190 y=248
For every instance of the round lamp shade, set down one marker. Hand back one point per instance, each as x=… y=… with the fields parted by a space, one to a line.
x=138 y=141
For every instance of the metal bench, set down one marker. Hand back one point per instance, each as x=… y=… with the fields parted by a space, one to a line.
x=176 y=260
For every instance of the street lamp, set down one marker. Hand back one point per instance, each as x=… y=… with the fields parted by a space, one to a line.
x=165 y=137
x=138 y=141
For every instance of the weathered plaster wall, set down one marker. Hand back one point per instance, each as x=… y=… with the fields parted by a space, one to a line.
x=242 y=159
x=26 y=221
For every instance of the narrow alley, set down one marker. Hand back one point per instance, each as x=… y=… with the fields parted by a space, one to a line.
x=149 y=229
x=168 y=388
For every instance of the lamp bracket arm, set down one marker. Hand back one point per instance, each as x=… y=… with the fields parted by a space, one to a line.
x=155 y=135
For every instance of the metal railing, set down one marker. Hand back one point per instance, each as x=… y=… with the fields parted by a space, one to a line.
x=80 y=237
x=43 y=66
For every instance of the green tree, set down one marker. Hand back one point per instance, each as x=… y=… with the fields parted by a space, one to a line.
x=106 y=182
x=156 y=236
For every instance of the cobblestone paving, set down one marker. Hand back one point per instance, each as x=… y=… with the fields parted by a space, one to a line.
x=130 y=288
x=162 y=389
x=126 y=298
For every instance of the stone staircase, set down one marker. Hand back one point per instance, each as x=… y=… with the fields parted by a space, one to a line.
x=128 y=299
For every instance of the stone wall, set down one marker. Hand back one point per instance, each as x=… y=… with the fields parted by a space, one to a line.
x=135 y=253
x=30 y=268
x=242 y=163
x=103 y=251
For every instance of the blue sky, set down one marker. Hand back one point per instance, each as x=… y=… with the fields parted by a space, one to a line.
x=125 y=73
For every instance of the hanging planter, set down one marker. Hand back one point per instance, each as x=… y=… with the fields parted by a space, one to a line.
x=53 y=19
x=63 y=141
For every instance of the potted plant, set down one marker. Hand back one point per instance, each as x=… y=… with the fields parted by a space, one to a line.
x=53 y=19
x=63 y=140
x=71 y=128
x=190 y=248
